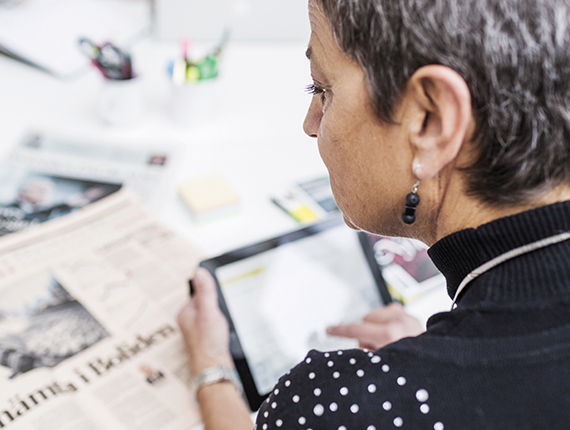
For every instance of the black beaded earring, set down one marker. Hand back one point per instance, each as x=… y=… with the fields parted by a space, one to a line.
x=412 y=200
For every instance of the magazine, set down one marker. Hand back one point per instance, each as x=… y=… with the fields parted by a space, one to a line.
x=406 y=267
x=88 y=338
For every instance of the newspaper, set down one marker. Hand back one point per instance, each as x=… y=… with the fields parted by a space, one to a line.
x=88 y=338
x=46 y=177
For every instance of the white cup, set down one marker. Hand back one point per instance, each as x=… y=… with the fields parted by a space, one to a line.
x=194 y=103
x=121 y=101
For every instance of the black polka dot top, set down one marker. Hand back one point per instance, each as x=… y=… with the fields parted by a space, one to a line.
x=344 y=390
x=500 y=360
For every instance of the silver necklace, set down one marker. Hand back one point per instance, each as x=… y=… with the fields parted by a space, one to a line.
x=525 y=249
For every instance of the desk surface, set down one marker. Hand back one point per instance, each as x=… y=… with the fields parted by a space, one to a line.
x=255 y=139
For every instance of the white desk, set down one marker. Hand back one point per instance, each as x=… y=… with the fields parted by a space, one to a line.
x=256 y=139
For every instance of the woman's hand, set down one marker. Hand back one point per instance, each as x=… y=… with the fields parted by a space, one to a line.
x=204 y=327
x=207 y=338
x=380 y=327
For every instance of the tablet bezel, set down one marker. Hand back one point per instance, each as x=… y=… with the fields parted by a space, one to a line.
x=254 y=398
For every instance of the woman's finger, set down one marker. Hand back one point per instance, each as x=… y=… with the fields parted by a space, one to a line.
x=386 y=314
x=205 y=293
x=367 y=333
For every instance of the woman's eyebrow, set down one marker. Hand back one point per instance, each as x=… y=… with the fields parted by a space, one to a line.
x=309 y=52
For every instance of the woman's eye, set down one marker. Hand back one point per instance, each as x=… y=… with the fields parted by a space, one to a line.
x=315 y=89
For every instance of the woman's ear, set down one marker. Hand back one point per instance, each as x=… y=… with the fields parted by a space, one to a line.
x=439 y=118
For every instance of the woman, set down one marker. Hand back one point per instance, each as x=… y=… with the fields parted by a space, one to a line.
x=466 y=104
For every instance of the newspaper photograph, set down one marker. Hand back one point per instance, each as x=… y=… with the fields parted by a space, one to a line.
x=88 y=337
x=41 y=325
x=28 y=198
x=46 y=176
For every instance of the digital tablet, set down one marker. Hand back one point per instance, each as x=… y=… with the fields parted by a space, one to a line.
x=281 y=294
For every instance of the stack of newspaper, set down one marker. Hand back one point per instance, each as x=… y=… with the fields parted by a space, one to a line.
x=88 y=338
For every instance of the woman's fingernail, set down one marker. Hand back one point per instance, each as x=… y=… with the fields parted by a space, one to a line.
x=199 y=276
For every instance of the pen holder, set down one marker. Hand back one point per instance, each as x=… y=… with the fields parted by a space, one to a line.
x=121 y=101
x=194 y=103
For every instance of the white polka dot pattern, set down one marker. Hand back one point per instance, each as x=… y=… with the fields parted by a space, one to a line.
x=422 y=395
x=325 y=391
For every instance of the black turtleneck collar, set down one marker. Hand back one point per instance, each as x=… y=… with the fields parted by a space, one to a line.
x=459 y=253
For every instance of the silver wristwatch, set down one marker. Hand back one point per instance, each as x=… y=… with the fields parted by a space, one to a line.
x=215 y=374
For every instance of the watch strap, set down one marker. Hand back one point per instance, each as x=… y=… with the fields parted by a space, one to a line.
x=215 y=374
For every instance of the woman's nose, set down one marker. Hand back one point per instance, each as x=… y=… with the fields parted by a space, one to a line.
x=313 y=118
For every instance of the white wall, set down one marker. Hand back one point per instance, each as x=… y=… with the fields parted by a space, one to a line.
x=204 y=20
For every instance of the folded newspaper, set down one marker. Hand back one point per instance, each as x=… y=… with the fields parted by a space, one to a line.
x=46 y=176
x=88 y=338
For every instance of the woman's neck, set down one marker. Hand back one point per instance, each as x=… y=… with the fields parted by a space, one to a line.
x=458 y=211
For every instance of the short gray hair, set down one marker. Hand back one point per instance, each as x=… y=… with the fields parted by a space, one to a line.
x=514 y=56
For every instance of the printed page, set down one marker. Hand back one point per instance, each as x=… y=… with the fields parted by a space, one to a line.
x=406 y=267
x=80 y=316
x=46 y=177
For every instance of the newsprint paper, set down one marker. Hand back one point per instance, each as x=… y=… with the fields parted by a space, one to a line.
x=88 y=338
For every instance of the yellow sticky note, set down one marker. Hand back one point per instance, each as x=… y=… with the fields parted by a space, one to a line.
x=208 y=196
x=304 y=214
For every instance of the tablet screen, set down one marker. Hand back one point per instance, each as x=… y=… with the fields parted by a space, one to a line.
x=281 y=298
